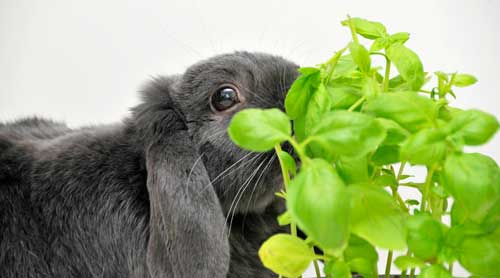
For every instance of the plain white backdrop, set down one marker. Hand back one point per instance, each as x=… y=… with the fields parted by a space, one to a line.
x=83 y=61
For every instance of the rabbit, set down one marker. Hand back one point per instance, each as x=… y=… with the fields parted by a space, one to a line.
x=163 y=193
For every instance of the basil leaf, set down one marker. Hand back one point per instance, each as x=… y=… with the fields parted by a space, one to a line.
x=368 y=29
x=425 y=147
x=379 y=43
x=400 y=37
x=435 y=271
x=301 y=91
x=259 y=130
x=286 y=255
x=319 y=204
x=407 y=262
x=474 y=181
x=288 y=162
x=386 y=154
x=464 y=80
x=348 y=133
x=425 y=236
x=343 y=97
x=408 y=64
x=353 y=169
x=284 y=219
x=344 y=67
x=376 y=217
x=361 y=257
x=338 y=269
x=361 y=56
x=408 y=109
x=481 y=254
x=395 y=133
x=474 y=126
x=319 y=104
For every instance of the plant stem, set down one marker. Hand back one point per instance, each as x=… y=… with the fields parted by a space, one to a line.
x=412 y=273
x=387 y=74
x=450 y=268
x=299 y=149
x=316 y=269
x=427 y=185
x=286 y=181
x=357 y=103
x=388 y=265
x=353 y=30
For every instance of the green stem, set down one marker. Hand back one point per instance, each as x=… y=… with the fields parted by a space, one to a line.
x=300 y=150
x=357 y=103
x=388 y=265
x=286 y=181
x=316 y=269
x=387 y=74
x=425 y=91
x=450 y=268
x=353 y=30
x=412 y=273
x=427 y=185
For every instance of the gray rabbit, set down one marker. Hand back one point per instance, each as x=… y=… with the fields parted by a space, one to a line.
x=165 y=193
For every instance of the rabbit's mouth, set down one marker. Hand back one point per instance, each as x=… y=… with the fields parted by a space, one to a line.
x=249 y=186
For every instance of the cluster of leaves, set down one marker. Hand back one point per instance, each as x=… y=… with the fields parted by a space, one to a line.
x=352 y=125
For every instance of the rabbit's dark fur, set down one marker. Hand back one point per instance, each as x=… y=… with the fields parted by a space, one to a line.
x=154 y=196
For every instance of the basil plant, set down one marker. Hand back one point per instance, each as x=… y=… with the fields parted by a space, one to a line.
x=356 y=127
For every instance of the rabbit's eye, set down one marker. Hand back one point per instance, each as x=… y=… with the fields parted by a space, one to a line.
x=224 y=98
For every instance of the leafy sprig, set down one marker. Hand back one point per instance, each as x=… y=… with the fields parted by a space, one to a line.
x=353 y=123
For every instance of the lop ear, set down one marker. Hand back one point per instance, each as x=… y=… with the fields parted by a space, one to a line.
x=187 y=236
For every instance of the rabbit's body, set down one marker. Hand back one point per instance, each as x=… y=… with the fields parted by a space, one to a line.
x=129 y=200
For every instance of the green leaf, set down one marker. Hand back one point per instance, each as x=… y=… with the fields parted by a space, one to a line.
x=425 y=236
x=360 y=248
x=407 y=262
x=353 y=169
x=412 y=202
x=319 y=204
x=464 y=80
x=319 y=104
x=408 y=64
x=425 y=147
x=345 y=66
x=338 y=269
x=379 y=43
x=288 y=162
x=361 y=56
x=442 y=76
x=259 y=130
x=299 y=128
x=301 y=91
x=408 y=109
x=474 y=181
x=400 y=37
x=386 y=180
x=343 y=97
x=371 y=88
x=361 y=257
x=481 y=255
x=368 y=29
x=385 y=155
x=286 y=255
x=284 y=219
x=348 y=133
x=376 y=217
x=435 y=271
x=474 y=126
x=395 y=133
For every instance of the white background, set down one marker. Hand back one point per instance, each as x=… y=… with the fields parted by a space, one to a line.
x=83 y=61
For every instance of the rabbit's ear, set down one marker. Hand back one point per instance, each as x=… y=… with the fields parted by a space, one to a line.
x=187 y=235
